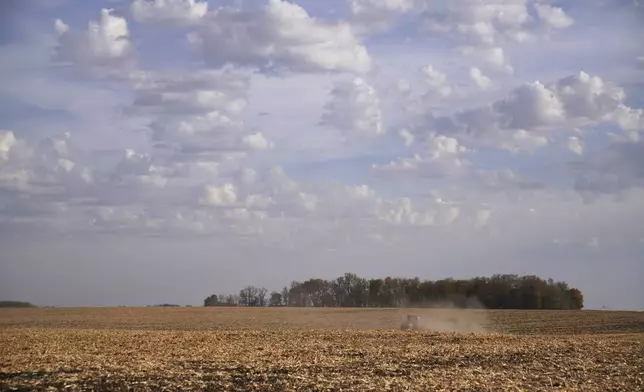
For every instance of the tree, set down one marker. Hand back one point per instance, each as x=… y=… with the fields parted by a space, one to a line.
x=576 y=299
x=212 y=300
x=375 y=292
x=275 y=299
x=296 y=295
x=220 y=300
x=496 y=292
x=16 y=304
x=260 y=297
x=248 y=296
x=285 y=296
x=232 y=300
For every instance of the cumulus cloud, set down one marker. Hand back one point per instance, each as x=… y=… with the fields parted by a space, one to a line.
x=530 y=106
x=374 y=16
x=481 y=80
x=280 y=37
x=257 y=141
x=224 y=195
x=258 y=201
x=441 y=157
x=493 y=57
x=523 y=140
x=354 y=108
x=531 y=112
x=402 y=211
x=481 y=29
x=477 y=22
x=437 y=81
x=139 y=171
x=48 y=168
x=553 y=16
x=630 y=120
x=7 y=140
x=374 y=6
x=174 y=12
x=104 y=45
x=195 y=114
x=576 y=145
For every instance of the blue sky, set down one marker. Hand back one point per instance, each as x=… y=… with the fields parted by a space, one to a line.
x=146 y=145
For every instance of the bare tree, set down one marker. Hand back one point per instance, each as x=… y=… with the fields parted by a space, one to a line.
x=260 y=297
x=232 y=300
x=248 y=296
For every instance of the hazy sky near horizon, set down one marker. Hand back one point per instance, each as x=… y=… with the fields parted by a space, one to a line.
x=158 y=151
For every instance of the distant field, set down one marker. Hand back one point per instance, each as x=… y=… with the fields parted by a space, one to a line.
x=278 y=349
x=198 y=318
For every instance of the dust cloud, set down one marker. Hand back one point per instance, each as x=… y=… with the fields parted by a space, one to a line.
x=467 y=315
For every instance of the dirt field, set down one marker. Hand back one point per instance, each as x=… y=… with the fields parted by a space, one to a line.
x=319 y=350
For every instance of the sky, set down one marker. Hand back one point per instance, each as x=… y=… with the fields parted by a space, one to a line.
x=159 y=151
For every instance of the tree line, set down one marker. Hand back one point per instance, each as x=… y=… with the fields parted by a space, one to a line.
x=496 y=292
x=16 y=304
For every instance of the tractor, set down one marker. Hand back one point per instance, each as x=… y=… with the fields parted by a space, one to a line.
x=412 y=323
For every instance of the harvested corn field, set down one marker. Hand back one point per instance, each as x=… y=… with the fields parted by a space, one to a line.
x=317 y=349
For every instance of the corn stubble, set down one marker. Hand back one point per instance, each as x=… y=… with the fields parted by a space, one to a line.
x=284 y=357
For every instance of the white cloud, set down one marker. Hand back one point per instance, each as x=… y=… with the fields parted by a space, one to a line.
x=175 y=12
x=576 y=145
x=477 y=22
x=442 y=157
x=553 y=16
x=405 y=212
x=280 y=37
x=306 y=201
x=354 y=107
x=407 y=137
x=224 y=195
x=374 y=6
x=437 y=81
x=523 y=140
x=279 y=182
x=197 y=113
x=257 y=141
x=481 y=80
x=440 y=146
x=374 y=16
x=49 y=168
x=60 y=27
x=530 y=106
x=493 y=57
x=7 y=140
x=403 y=86
x=533 y=111
x=259 y=201
x=587 y=97
x=104 y=45
x=360 y=192
x=247 y=176
x=630 y=120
